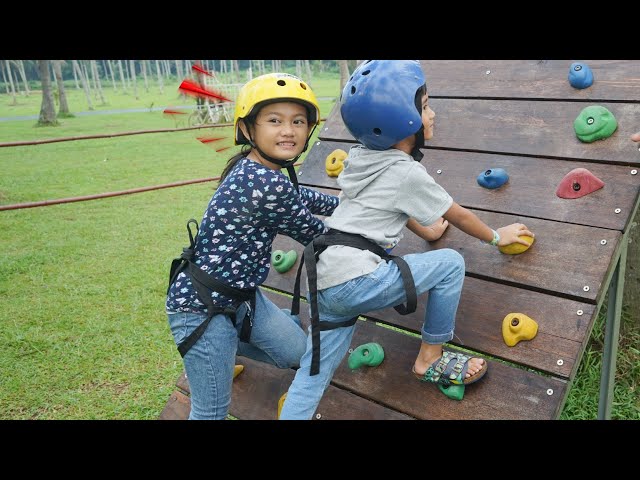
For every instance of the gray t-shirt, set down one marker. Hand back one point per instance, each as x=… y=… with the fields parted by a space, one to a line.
x=381 y=190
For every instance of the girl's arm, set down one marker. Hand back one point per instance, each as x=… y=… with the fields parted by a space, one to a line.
x=317 y=202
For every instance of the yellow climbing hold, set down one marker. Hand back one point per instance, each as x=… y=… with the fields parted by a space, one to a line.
x=516 y=248
x=518 y=326
x=335 y=162
x=237 y=370
x=280 y=403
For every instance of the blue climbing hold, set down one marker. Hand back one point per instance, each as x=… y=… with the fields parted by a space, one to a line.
x=580 y=75
x=493 y=178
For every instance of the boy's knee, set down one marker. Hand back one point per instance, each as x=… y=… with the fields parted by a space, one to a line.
x=456 y=259
x=454 y=256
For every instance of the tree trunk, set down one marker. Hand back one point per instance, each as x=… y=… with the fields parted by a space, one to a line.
x=122 y=80
x=113 y=77
x=96 y=81
x=236 y=71
x=84 y=82
x=20 y=65
x=344 y=73
x=14 y=100
x=85 y=74
x=4 y=78
x=160 y=83
x=307 y=66
x=132 y=69
x=75 y=76
x=63 y=111
x=47 y=109
x=144 y=75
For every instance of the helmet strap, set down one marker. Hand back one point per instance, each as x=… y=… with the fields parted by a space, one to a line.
x=288 y=164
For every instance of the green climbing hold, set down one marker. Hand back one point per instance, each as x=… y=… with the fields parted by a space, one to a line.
x=594 y=123
x=370 y=354
x=282 y=261
x=455 y=392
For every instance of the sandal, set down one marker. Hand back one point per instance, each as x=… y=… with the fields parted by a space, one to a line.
x=451 y=368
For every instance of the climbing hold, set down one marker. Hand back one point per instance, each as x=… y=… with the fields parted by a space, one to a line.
x=335 y=162
x=493 y=178
x=578 y=183
x=281 y=403
x=516 y=248
x=370 y=354
x=518 y=326
x=281 y=261
x=455 y=392
x=594 y=123
x=580 y=75
x=237 y=370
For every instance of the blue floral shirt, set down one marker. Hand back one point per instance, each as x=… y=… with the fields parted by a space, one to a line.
x=248 y=209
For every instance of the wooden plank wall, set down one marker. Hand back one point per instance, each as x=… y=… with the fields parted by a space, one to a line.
x=516 y=115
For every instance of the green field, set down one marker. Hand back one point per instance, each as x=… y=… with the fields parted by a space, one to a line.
x=82 y=285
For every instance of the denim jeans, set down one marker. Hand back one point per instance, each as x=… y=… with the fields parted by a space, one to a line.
x=441 y=272
x=277 y=338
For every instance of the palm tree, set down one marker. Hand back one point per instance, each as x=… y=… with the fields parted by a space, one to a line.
x=48 y=109
x=63 y=111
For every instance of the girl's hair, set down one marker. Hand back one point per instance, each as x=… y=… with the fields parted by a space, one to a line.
x=246 y=148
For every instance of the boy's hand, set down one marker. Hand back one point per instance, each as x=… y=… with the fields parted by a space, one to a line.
x=511 y=234
x=434 y=231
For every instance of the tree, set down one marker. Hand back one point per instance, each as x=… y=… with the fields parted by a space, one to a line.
x=143 y=64
x=62 y=96
x=160 y=82
x=48 y=109
x=132 y=68
x=124 y=83
x=113 y=78
x=83 y=81
x=14 y=100
x=344 y=73
x=23 y=75
x=96 y=80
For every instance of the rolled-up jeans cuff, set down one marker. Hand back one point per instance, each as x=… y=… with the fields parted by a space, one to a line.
x=436 y=339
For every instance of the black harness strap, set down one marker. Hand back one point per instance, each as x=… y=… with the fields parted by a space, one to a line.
x=204 y=285
x=310 y=257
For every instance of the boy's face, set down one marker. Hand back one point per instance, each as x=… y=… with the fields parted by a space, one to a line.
x=428 y=116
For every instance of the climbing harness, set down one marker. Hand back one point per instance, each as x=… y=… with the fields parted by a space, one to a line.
x=310 y=257
x=204 y=285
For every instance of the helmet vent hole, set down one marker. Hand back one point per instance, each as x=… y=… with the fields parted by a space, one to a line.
x=282 y=83
x=353 y=89
x=366 y=72
x=377 y=131
x=303 y=86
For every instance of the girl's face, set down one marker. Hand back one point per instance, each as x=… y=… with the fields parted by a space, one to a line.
x=428 y=117
x=281 y=129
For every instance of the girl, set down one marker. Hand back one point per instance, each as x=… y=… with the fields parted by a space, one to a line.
x=215 y=308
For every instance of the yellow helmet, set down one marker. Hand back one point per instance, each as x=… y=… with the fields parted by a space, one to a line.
x=273 y=87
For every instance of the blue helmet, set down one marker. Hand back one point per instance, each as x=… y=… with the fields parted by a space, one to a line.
x=378 y=102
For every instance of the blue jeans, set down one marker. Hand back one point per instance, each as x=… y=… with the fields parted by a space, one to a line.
x=441 y=272
x=277 y=338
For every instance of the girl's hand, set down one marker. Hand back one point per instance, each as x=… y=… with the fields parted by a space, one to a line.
x=511 y=234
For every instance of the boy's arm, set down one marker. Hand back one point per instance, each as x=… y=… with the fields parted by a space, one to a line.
x=470 y=224
x=431 y=232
